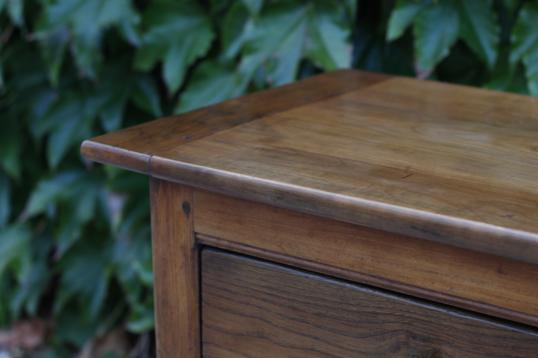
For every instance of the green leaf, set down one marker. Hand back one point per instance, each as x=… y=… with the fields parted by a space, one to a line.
x=74 y=325
x=56 y=113
x=511 y=5
x=85 y=275
x=2 y=80
x=283 y=66
x=67 y=132
x=115 y=92
x=87 y=53
x=14 y=241
x=436 y=29
x=525 y=44
x=146 y=95
x=68 y=232
x=233 y=30
x=50 y=191
x=81 y=201
x=61 y=140
x=11 y=147
x=15 y=9
x=31 y=287
x=40 y=105
x=211 y=83
x=53 y=49
x=329 y=47
x=112 y=113
x=531 y=65
x=505 y=77
x=403 y=14
x=525 y=32
x=253 y=6
x=141 y=319
x=130 y=32
x=479 y=28
x=286 y=32
x=351 y=8
x=280 y=27
x=5 y=199
x=87 y=20
x=177 y=34
x=70 y=118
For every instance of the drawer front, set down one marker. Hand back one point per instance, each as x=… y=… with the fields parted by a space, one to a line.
x=253 y=308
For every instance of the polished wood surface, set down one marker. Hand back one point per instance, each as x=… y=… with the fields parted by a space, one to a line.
x=132 y=148
x=452 y=164
x=481 y=282
x=252 y=308
x=175 y=267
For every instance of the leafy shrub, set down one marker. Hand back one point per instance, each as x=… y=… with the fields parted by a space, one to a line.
x=74 y=237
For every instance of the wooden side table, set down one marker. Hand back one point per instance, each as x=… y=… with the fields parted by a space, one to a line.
x=350 y=214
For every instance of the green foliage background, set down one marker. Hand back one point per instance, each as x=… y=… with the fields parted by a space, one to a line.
x=74 y=237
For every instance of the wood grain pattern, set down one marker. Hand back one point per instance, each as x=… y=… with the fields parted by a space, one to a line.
x=444 y=163
x=175 y=266
x=132 y=148
x=256 y=309
x=452 y=164
x=481 y=282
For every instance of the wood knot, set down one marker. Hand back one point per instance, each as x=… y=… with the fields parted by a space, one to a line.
x=186 y=206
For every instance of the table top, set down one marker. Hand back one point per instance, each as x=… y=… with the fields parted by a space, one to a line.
x=448 y=163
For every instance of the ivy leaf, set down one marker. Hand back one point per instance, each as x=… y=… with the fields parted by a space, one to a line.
x=253 y=6
x=210 y=83
x=525 y=43
x=278 y=29
x=61 y=139
x=15 y=10
x=68 y=231
x=5 y=199
x=402 y=16
x=86 y=20
x=2 y=80
x=87 y=53
x=53 y=48
x=10 y=147
x=146 y=95
x=14 y=241
x=68 y=122
x=141 y=319
x=507 y=78
x=525 y=32
x=32 y=285
x=283 y=67
x=284 y=33
x=479 y=29
x=329 y=47
x=177 y=34
x=50 y=191
x=436 y=29
x=85 y=275
x=233 y=30
x=531 y=65
x=115 y=92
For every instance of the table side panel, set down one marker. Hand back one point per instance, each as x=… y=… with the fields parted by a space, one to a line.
x=252 y=308
x=481 y=282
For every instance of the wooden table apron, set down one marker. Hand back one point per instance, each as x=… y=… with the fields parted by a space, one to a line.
x=423 y=189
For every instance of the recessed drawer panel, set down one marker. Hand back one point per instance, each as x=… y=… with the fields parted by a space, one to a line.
x=252 y=308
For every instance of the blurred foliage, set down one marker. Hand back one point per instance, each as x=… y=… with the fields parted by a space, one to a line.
x=74 y=237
